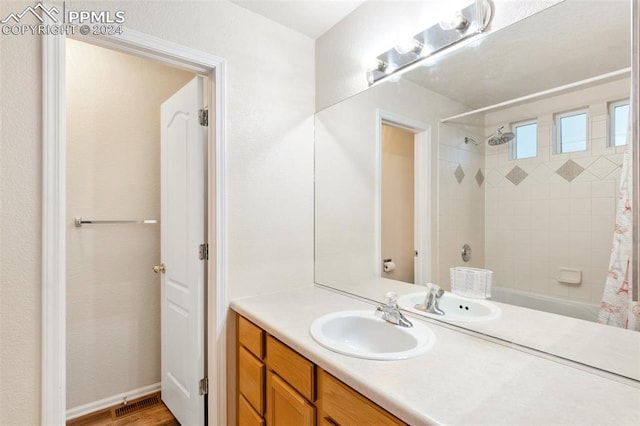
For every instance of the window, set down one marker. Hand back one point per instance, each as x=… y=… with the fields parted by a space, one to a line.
x=618 y=122
x=571 y=131
x=525 y=144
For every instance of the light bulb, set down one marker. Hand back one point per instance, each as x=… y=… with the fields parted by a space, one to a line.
x=389 y=68
x=409 y=45
x=456 y=22
x=375 y=64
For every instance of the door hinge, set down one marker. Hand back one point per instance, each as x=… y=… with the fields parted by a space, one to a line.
x=204 y=386
x=203 y=114
x=204 y=251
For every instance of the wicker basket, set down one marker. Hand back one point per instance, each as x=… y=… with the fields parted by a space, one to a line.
x=471 y=282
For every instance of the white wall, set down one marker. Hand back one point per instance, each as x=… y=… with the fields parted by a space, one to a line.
x=344 y=52
x=546 y=221
x=113 y=172
x=270 y=104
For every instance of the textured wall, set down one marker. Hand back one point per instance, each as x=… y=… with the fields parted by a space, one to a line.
x=270 y=104
x=113 y=172
x=20 y=190
x=344 y=52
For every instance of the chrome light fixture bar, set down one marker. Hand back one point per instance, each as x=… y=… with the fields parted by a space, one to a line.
x=465 y=23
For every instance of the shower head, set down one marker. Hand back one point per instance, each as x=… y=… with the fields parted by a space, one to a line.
x=473 y=141
x=498 y=138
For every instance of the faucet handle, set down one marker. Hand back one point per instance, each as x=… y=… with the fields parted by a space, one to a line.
x=437 y=290
x=390 y=311
x=391 y=299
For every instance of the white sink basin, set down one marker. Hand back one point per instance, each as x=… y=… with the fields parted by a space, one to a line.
x=456 y=308
x=361 y=334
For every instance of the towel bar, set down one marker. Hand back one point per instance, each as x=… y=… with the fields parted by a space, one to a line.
x=78 y=221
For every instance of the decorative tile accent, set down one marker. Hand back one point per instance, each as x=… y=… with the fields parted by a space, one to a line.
x=570 y=170
x=602 y=167
x=479 y=177
x=459 y=174
x=516 y=175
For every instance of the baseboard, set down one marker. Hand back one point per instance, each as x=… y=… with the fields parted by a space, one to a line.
x=109 y=402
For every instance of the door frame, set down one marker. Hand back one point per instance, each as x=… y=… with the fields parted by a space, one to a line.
x=53 y=387
x=423 y=183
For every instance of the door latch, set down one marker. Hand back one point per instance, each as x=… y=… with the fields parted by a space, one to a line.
x=203 y=386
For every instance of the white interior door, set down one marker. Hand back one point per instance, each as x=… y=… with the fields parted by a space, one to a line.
x=424 y=199
x=182 y=231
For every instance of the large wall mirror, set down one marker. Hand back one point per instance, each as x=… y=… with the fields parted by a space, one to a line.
x=508 y=149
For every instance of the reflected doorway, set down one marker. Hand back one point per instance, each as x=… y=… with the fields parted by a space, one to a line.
x=398 y=206
x=405 y=201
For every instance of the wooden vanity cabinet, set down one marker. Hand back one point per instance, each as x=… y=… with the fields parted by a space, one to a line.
x=279 y=387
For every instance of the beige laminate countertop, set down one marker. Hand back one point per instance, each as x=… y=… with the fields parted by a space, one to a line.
x=462 y=380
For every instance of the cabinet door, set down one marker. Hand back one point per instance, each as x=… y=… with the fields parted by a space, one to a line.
x=285 y=406
x=247 y=416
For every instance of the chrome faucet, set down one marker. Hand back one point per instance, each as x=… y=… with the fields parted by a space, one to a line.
x=390 y=312
x=432 y=300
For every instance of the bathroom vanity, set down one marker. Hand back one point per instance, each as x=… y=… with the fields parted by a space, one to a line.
x=279 y=385
x=462 y=379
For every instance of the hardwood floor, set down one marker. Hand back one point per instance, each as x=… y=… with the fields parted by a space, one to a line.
x=155 y=415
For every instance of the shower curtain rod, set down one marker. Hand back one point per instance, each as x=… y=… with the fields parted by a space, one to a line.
x=78 y=221
x=532 y=96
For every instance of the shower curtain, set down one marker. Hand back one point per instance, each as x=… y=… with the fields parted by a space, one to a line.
x=617 y=307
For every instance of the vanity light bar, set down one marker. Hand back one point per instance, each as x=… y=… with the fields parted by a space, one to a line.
x=466 y=23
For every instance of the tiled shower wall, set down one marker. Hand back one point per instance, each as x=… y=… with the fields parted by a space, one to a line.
x=461 y=198
x=554 y=210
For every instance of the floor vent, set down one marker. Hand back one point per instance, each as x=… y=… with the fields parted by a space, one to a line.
x=135 y=406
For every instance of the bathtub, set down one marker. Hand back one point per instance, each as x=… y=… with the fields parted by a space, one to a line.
x=554 y=305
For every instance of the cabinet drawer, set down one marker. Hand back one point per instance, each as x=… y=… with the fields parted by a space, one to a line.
x=292 y=367
x=247 y=416
x=251 y=376
x=340 y=405
x=251 y=336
